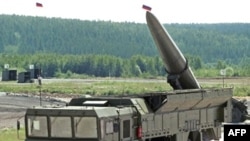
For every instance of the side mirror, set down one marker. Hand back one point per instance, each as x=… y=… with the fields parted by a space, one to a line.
x=18 y=125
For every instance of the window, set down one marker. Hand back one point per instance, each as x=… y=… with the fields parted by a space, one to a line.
x=61 y=127
x=37 y=126
x=126 y=128
x=85 y=127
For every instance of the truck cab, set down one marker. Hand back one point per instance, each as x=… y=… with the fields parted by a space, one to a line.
x=85 y=123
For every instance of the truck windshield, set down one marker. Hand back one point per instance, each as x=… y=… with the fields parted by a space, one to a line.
x=83 y=127
x=37 y=126
x=59 y=123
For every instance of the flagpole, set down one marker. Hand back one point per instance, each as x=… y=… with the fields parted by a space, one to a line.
x=39 y=5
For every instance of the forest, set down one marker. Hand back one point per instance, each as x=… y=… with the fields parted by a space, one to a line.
x=106 y=48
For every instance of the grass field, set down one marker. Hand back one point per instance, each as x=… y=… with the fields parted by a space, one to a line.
x=12 y=135
x=114 y=86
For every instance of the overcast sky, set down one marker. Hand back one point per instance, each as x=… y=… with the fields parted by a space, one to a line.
x=167 y=11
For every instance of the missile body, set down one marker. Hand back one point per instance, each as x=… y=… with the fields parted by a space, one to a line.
x=180 y=76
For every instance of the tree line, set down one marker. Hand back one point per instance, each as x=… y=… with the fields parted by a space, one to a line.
x=101 y=48
x=29 y=35
x=55 y=65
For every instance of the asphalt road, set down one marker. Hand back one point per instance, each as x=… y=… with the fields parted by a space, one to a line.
x=13 y=107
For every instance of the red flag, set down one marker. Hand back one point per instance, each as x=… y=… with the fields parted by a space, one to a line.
x=39 y=4
x=146 y=7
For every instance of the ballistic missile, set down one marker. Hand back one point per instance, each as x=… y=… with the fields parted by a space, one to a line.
x=180 y=75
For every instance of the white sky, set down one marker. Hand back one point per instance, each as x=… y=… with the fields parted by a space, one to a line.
x=167 y=11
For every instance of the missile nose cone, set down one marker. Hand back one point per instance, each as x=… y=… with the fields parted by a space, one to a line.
x=149 y=16
x=152 y=21
x=174 y=61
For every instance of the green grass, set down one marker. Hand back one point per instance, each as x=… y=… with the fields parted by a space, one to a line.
x=104 y=87
x=116 y=87
x=12 y=135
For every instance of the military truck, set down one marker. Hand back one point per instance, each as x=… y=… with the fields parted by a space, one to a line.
x=186 y=113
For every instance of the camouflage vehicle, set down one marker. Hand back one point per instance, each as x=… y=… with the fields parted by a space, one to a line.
x=188 y=113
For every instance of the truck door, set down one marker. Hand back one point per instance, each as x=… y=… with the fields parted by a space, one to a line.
x=126 y=129
x=110 y=129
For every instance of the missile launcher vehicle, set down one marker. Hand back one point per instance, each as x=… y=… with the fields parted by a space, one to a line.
x=186 y=113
